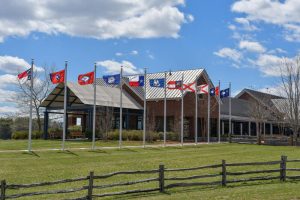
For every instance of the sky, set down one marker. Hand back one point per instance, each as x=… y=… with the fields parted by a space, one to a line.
x=243 y=42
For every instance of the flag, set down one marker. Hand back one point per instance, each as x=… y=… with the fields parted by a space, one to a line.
x=214 y=91
x=203 y=89
x=190 y=87
x=135 y=81
x=112 y=79
x=57 y=77
x=26 y=74
x=224 y=93
x=174 y=85
x=160 y=82
x=85 y=79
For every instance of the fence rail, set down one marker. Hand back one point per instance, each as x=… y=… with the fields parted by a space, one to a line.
x=161 y=179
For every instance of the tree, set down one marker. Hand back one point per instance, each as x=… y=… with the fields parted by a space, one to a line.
x=290 y=78
x=41 y=88
x=259 y=113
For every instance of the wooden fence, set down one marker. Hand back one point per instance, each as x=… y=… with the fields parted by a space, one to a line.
x=224 y=176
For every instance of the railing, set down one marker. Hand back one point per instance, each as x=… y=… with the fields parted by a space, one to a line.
x=223 y=174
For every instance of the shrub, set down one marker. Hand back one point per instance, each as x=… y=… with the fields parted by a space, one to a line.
x=5 y=128
x=75 y=128
x=133 y=135
x=20 y=135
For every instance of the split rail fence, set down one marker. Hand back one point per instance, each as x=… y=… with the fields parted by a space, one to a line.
x=224 y=175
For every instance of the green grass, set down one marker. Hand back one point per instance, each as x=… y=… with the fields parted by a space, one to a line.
x=57 y=144
x=23 y=167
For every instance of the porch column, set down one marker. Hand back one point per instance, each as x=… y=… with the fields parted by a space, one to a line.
x=222 y=127
x=127 y=119
x=46 y=124
x=271 y=129
x=249 y=128
x=241 y=128
x=232 y=128
x=264 y=127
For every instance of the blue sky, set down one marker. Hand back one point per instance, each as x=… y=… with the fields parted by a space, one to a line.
x=240 y=41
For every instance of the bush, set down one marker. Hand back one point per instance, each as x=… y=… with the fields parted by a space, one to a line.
x=5 y=128
x=75 y=128
x=133 y=135
x=170 y=136
x=21 y=135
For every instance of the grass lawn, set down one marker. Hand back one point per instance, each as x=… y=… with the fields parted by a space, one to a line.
x=23 y=167
x=57 y=144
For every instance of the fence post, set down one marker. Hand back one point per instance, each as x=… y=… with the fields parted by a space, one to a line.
x=223 y=173
x=3 y=188
x=161 y=178
x=283 y=168
x=90 y=187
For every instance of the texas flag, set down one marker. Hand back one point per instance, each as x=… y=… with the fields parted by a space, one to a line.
x=135 y=81
x=85 y=79
x=202 y=89
x=174 y=85
x=57 y=77
x=26 y=75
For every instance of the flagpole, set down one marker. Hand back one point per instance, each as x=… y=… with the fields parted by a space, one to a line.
x=219 y=114
x=65 y=107
x=182 y=120
x=94 y=108
x=196 y=116
x=208 y=115
x=31 y=97
x=121 y=109
x=145 y=107
x=165 y=110
x=230 y=112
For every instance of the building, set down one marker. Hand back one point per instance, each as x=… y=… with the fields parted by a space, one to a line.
x=80 y=106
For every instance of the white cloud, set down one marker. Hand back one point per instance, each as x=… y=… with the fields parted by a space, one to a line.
x=8 y=110
x=229 y=53
x=15 y=65
x=112 y=66
x=268 y=64
x=7 y=79
x=95 y=19
x=134 y=52
x=119 y=54
x=285 y=14
x=252 y=46
x=246 y=24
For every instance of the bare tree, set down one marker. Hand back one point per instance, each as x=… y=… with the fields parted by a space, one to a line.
x=259 y=113
x=41 y=88
x=290 y=77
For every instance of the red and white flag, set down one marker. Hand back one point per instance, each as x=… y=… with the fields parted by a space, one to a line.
x=202 y=89
x=85 y=79
x=190 y=87
x=24 y=76
x=174 y=85
x=57 y=77
x=135 y=81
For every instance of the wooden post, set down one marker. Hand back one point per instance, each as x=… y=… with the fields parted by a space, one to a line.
x=283 y=168
x=3 y=188
x=223 y=173
x=90 y=188
x=161 y=178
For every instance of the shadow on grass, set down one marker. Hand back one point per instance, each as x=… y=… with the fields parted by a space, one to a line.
x=98 y=151
x=127 y=149
x=182 y=190
x=32 y=153
x=68 y=152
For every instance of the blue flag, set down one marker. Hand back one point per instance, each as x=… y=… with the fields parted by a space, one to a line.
x=112 y=79
x=212 y=92
x=224 y=93
x=159 y=82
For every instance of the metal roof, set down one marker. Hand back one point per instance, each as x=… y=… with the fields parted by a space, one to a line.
x=155 y=93
x=106 y=96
